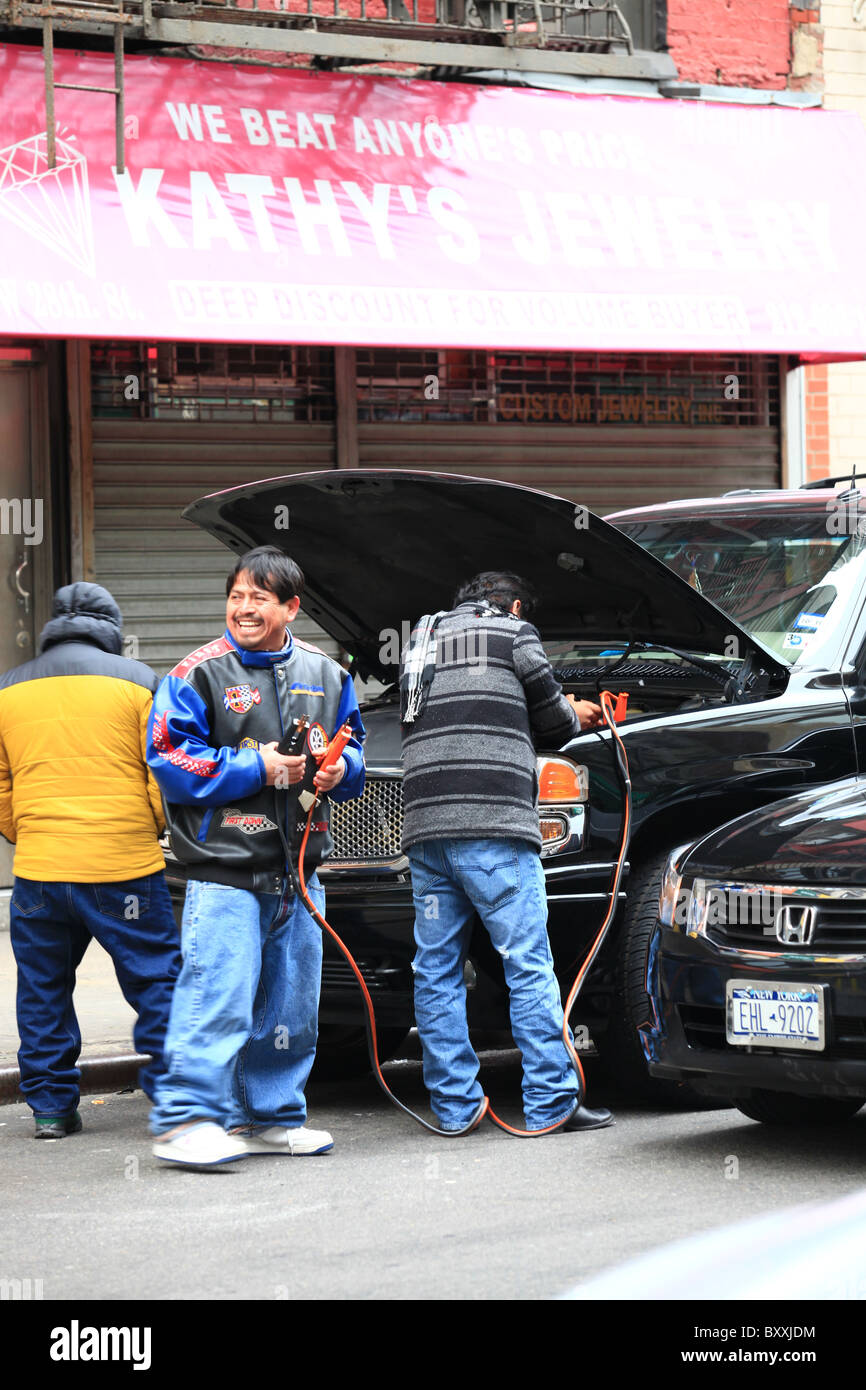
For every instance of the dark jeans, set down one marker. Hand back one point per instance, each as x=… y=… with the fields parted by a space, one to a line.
x=51 y=926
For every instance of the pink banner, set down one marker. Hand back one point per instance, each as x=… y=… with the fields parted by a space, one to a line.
x=264 y=205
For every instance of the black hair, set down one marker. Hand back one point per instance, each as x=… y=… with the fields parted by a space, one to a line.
x=270 y=568
x=501 y=588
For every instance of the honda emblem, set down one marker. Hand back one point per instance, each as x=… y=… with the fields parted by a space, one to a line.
x=795 y=926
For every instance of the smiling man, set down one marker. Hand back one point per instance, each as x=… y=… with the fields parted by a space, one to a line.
x=243 y=1027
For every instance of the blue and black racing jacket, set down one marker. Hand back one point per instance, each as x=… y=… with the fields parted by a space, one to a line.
x=210 y=715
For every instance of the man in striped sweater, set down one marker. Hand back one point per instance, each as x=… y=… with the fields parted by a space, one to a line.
x=478 y=696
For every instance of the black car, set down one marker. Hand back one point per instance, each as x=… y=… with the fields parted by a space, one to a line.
x=757 y=970
x=734 y=625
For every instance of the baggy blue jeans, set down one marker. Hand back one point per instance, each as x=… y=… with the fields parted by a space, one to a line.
x=503 y=881
x=51 y=926
x=244 y=1019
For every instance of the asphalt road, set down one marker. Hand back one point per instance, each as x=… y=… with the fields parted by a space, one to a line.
x=392 y=1213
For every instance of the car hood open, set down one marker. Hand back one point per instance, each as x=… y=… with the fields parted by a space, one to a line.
x=379 y=547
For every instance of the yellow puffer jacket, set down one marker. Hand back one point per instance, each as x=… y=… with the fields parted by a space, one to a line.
x=76 y=798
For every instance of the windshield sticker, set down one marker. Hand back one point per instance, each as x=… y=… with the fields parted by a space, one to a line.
x=808 y=622
x=805 y=627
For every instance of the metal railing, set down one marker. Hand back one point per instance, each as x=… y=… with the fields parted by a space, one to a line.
x=583 y=25
x=599 y=26
x=579 y=37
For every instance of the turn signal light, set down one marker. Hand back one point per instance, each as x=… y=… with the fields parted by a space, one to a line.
x=553 y=828
x=561 y=780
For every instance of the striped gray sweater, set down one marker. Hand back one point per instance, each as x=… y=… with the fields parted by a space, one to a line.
x=469 y=758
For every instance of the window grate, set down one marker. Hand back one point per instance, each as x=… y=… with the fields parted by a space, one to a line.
x=647 y=389
x=212 y=381
x=276 y=383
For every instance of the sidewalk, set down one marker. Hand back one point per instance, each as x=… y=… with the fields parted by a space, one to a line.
x=104 y=1017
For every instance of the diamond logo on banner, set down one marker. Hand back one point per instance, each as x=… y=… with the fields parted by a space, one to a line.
x=51 y=205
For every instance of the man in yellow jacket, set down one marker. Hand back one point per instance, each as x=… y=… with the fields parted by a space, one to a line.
x=84 y=814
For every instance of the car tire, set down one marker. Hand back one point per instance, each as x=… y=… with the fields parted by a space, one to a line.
x=786 y=1108
x=342 y=1053
x=622 y=1051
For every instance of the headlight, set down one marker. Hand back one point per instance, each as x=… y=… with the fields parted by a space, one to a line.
x=671 y=901
x=561 y=780
x=563 y=790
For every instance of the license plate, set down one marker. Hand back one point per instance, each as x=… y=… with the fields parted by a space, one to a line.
x=770 y=1013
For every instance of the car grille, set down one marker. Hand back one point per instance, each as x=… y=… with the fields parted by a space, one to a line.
x=840 y=929
x=368 y=829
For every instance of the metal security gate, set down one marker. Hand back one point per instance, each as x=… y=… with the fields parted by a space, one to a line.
x=608 y=430
x=170 y=424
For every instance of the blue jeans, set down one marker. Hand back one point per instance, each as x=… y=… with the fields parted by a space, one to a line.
x=244 y=1019
x=503 y=881
x=51 y=926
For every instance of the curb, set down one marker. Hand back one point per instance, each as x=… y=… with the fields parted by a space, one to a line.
x=97 y=1074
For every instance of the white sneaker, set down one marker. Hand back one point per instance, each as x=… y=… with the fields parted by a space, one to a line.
x=202 y=1145
x=278 y=1139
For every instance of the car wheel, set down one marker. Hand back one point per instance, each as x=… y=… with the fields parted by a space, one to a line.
x=623 y=1054
x=342 y=1054
x=785 y=1108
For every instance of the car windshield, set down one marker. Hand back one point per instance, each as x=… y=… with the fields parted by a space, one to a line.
x=785 y=578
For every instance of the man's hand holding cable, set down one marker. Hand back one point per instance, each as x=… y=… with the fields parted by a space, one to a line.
x=288 y=771
x=588 y=713
x=282 y=770
x=326 y=780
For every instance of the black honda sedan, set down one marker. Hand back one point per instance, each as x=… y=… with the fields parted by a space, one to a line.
x=757 y=969
x=735 y=625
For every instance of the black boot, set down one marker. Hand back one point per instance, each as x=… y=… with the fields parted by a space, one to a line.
x=584 y=1118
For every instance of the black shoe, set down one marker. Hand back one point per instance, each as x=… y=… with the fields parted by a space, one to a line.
x=584 y=1118
x=57 y=1126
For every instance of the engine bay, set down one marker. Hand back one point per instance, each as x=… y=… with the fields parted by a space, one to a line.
x=656 y=683
x=660 y=683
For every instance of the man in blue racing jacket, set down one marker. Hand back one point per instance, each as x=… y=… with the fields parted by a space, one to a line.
x=244 y=1019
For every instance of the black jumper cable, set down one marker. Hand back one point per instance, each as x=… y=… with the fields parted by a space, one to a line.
x=292 y=744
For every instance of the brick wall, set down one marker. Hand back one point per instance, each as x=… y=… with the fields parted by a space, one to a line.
x=807 y=50
x=844 y=58
x=846 y=401
x=734 y=43
x=817 y=443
